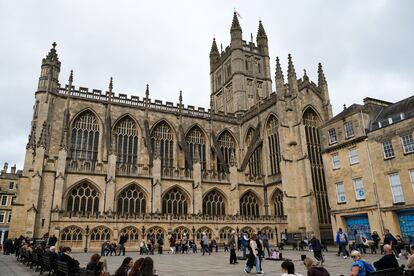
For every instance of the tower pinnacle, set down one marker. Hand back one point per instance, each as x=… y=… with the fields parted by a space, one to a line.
x=261 y=31
x=321 y=76
x=291 y=68
x=279 y=72
x=214 y=49
x=235 y=25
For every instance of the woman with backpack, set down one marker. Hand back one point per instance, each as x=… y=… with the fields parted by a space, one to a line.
x=359 y=266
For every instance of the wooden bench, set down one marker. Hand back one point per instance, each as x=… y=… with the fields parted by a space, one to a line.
x=86 y=272
x=62 y=268
x=36 y=261
x=397 y=271
x=47 y=264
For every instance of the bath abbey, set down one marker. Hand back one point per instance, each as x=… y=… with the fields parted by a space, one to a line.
x=100 y=163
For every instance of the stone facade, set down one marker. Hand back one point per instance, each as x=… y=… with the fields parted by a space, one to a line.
x=370 y=175
x=100 y=163
x=9 y=183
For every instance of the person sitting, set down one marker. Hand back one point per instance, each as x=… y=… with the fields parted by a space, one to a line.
x=53 y=256
x=388 y=260
x=73 y=264
x=126 y=265
x=399 y=245
x=147 y=268
x=96 y=266
x=288 y=269
x=136 y=268
x=314 y=268
x=142 y=248
x=410 y=261
x=359 y=267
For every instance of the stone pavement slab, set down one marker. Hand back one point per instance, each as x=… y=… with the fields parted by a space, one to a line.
x=196 y=264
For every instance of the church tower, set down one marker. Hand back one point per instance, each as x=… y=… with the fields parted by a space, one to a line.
x=240 y=74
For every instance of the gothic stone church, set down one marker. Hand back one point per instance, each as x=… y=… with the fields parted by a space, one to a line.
x=99 y=164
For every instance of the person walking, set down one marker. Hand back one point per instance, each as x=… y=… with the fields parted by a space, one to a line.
x=160 y=242
x=358 y=244
x=172 y=244
x=232 y=245
x=244 y=241
x=122 y=240
x=204 y=241
x=265 y=240
x=376 y=239
x=253 y=259
x=342 y=242
x=317 y=249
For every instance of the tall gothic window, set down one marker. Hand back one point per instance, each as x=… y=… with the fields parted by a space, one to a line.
x=255 y=160
x=213 y=204
x=311 y=122
x=85 y=137
x=249 y=205
x=274 y=148
x=162 y=140
x=196 y=139
x=126 y=141
x=226 y=145
x=83 y=198
x=278 y=203
x=131 y=201
x=174 y=202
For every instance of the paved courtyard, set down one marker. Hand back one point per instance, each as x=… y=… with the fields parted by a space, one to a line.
x=195 y=264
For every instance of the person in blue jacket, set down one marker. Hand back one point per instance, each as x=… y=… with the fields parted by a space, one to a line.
x=342 y=242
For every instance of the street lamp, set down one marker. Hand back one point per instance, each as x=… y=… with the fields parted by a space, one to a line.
x=86 y=238
x=143 y=231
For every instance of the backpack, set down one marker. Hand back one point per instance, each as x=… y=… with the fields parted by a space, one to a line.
x=368 y=266
x=342 y=237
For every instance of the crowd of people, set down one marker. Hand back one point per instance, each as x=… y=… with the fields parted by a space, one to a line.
x=253 y=248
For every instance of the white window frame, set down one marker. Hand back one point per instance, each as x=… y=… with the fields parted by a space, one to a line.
x=7 y=200
x=411 y=173
x=396 y=186
x=2 y=213
x=411 y=144
x=340 y=193
x=353 y=159
x=332 y=134
x=359 y=188
x=336 y=164
x=387 y=148
x=351 y=129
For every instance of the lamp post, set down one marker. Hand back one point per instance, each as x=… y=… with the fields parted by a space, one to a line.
x=86 y=238
x=143 y=231
x=277 y=237
x=193 y=230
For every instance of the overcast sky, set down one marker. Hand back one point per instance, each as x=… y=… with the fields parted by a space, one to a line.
x=366 y=48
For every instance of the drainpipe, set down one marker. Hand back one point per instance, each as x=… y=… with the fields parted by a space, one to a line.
x=374 y=183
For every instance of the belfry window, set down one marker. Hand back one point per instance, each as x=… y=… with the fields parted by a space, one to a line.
x=162 y=140
x=249 y=205
x=83 y=198
x=227 y=146
x=213 y=204
x=274 y=148
x=126 y=141
x=195 y=139
x=174 y=202
x=85 y=137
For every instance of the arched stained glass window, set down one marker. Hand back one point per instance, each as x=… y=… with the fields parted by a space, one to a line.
x=85 y=137
x=83 y=198
x=213 y=204
x=174 y=202
x=227 y=146
x=100 y=233
x=196 y=139
x=272 y=129
x=131 y=201
x=278 y=203
x=162 y=140
x=126 y=141
x=249 y=205
x=71 y=233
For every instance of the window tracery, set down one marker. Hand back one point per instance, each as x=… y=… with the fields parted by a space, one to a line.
x=249 y=205
x=126 y=141
x=174 y=202
x=214 y=204
x=100 y=233
x=278 y=203
x=83 y=198
x=85 y=137
x=227 y=146
x=196 y=139
x=162 y=140
x=274 y=146
x=71 y=233
x=131 y=201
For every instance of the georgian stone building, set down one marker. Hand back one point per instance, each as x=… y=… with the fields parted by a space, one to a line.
x=100 y=163
x=368 y=153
